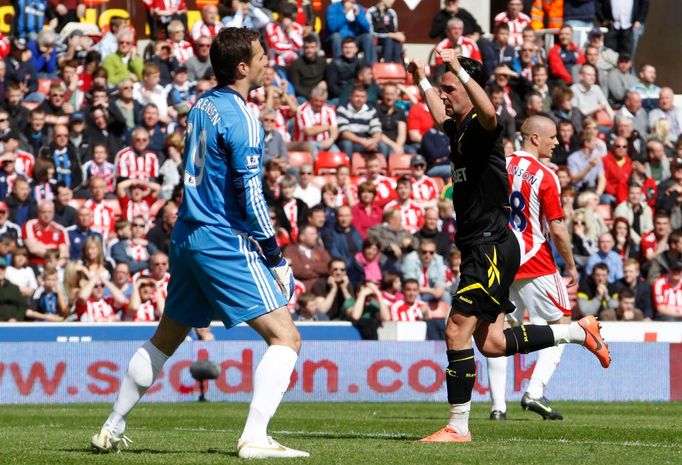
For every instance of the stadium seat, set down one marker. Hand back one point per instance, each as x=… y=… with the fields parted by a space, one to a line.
x=296 y=159
x=389 y=72
x=327 y=162
x=399 y=164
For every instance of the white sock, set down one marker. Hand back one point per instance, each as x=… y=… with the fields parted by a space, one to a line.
x=459 y=417
x=142 y=371
x=571 y=333
x=497 y=378
x=271 y=381
x=548 y=360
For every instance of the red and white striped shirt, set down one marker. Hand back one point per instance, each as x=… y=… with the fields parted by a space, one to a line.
x=306 y=117
x=200 y=28
x=103 y=218
x=424 y=189
x=667 y=295
x=182 y=50
x=130 y=209
x=535 y=201
x=146 y=312
x=133 y=166
x=24 y=164
x=106 y=171
x=163 y=282
x=170 y=6
x=95 y=311
x=402 y=311
x=137 y=252
x=44 y=191
x=52 y=236
x=385 y=188
x=469 y=49
x=283 y=45
x=516 y=27
x=291 y=212
x=411 y=214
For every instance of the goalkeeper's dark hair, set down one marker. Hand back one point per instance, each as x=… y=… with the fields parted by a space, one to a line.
x=229 y=48
x=475 y=69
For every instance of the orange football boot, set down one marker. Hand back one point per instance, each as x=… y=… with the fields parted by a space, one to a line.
x=593 y=340
x=447 y=434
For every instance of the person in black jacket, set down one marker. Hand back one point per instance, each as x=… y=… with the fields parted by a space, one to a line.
x=620 y=35
x=452 y=10
x=633 y=280
x=342 y=69
x=309 y=69
x=21 y=205
x=12 y=304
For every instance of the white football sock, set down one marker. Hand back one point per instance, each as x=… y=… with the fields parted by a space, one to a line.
x=459 y=417
x=271 y=381
x=548 y=360
x=570 y=333
x=497 y=378
x=142 y=371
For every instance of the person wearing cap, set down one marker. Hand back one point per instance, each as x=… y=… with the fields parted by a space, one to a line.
x=620 y=79
x=564 y=55
x=12 y=304
x=424 y=189
x=20 y=71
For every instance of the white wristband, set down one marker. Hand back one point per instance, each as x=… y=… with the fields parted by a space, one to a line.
x=463 y=76
x=424 y=85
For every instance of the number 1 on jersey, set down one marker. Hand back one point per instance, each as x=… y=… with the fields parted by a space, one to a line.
x=197 y=160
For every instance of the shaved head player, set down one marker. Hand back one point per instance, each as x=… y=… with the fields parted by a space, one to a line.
x=490 y=251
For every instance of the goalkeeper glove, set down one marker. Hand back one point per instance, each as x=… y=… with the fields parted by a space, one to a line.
x=284 y=277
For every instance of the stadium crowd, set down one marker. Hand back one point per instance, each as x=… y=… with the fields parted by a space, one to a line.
x=355 y=175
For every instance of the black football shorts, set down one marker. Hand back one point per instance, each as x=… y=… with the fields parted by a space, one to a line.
x=487 y=272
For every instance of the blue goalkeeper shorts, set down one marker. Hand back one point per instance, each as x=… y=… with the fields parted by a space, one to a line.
x=218 y=275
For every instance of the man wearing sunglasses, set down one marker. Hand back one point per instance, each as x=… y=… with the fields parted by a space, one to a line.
x=490 y=252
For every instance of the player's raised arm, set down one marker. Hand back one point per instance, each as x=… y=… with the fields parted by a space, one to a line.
x=431 y=95
x=479 y=99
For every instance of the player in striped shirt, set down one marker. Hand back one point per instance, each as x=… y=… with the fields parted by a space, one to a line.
x=455 y=29
x=225 y=260
x=536 y=213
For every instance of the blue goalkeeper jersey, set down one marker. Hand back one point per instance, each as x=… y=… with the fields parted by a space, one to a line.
x=223 y=166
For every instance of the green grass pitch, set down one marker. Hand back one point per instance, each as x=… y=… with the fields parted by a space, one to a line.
x=350 y=433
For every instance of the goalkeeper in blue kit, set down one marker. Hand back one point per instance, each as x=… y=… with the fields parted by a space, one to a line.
x=224 y=260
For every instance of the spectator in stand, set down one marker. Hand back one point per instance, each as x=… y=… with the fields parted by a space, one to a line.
x=656 y=241
x=156 y=129
x=636 y=144
x=20 y=274
x=123 y=64
x=622 y=19
x=136 y=197
x=122 y=281
x=316 y=123
x=393 y=121
x=284 y=37
x=53 y=106
x=430 y=231
x=428 y=269
x=505 y=119
x=18 y=114
x=136 y=161
x=383 y=23
x=632 y=108
x=21 y=205
x=308 y=260
x=43 y=234
x=588 y=96
x=620 y=79
x=342 y=69
x=568 y=143
x=20 y=71
x=359 y=125
x=668 y=111
x=410 y=307
x=499 y=51
x=199 y=64
x=564 y=55
x=271 y=178
x=662 y=261
x=150 y=91
x=64 y=213
x=592 y=58
x=348 y=190
x=586 y=169
x=108 y=44
x=49 y=302
x=367 y=212
x=411 y=213
x=91 y=306
x=275 y=146
x=44 y=54
x=24 y=161
x=435 y=146
x=292 y=211
x=305 y=189
x=103 y=216
x=607 y=255
x=124 y=111
x=12 y=304
x=455 y=37
x=541 y=87
x=364 y=77
x=641 y=290
x=451 y=10
x=7 y=226
x=637 y=213
x=36 y=134
x=517 y=21
x=79 y=232
x=98 y=166
x=394 y=241
x=596 y=294
x=667 y=291
x=367 y=310
x=307 y=71
x=348 y=19
x=670 y=194
x=208 y=25
x=132 y=248
x=617 y=170
x=245 y=15
x=625 y=245
x=563 y=108
x=646 y=88
x=385 y=186
x=308 y=309
x=342 y=239
x=626 y=309
x=658 y=166
x=160 y=234
x=424 y=189
x=146 y=301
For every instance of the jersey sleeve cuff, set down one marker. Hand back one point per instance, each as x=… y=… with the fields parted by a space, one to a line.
x=271 y=251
